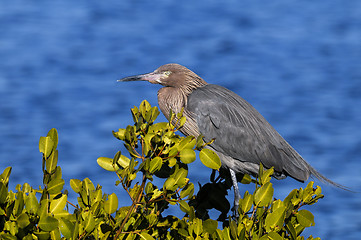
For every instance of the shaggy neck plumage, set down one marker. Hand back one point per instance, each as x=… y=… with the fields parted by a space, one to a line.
x=175 y=98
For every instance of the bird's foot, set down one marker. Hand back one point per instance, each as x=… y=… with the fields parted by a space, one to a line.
x=235 y=214
x=237 y=196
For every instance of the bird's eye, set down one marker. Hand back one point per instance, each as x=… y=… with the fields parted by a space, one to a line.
x=167 y=73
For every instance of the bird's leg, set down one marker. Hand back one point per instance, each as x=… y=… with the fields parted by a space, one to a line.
x=237 y=195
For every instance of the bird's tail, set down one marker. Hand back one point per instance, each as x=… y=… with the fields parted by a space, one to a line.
x=324 y=179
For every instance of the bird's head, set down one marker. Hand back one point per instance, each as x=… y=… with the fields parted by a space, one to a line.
x=169 y=75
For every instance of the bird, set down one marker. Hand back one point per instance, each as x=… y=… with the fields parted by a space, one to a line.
x=243 y=138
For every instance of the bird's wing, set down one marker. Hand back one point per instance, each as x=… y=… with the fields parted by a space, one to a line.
x=241 y=132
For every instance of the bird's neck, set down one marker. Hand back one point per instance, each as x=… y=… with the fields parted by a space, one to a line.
x=175 y=97
x=171 y=98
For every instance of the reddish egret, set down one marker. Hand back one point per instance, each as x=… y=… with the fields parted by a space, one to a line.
x=243 y=137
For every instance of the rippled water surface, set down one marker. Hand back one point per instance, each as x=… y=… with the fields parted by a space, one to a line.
x=298 y=63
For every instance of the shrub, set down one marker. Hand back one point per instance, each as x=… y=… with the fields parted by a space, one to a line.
x=155 y=151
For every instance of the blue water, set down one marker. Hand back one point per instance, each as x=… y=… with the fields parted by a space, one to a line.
x=298 y=63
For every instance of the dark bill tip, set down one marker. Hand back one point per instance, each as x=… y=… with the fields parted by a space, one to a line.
x=131 y=78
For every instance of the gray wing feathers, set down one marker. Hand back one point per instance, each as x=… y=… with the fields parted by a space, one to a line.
x=242 y=133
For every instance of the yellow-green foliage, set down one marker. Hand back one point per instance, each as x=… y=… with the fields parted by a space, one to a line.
x=154 y=151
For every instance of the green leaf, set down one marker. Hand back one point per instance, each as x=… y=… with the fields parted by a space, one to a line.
x=132 y=164
x=219 y=234
x=246 y=179
x=187 y=155
x=23 y=220
x=318 y=190
x=155 y=113
x=75 y=184
x=135 y=113
x=266 y=176
x=274 y=236
x=120 y=134
x=295 y=201
x=180 y=177
x=97 y=195
x=210 y=226
x=52 y=161
x=308 y=193
x=198 y=227
x=275 y=219
x=263 y=195
x=155 y=164
x=55 y=234
x=46 y=145
x=132 y=176
x=3 y=193
x=55 y=186
x=149 y=188
x=88 y=186
x=43 y=208
x=57 y=174
x=199 y=141
x=129 y=223
x=4 y=177
x=173 y=152
x=48 y=223
x=152 y=218
x=96 y=207
x=107 y=164
x=277 y=204
x=246 y=202
x=145 y=236
x=31 y=203
x=26 y=188
x=305 y=218
x=130 y=136
x=170 y=184
x=180 y=114
x=61 y=213
x=182 y=121
x=157 y=127
x=7 y=236
x=89 y=223
x=147 y=144
x=187 y=142
x=57 y=205
x=77 y=228
x=233 y=229
x=184 y=206
x=66 y=228
x=156 y=194
x=241 y=230
x=210 y=159
x=144 y=107
x=225 y=234
x=147 y=118
x=42 y=235
x=187 y=191
x=291 y=229
x=19 y=204
x=260 y=170
x=53 y=134
x=172 y=162
x=123 y=161
x=290 y=196
x=111 y=205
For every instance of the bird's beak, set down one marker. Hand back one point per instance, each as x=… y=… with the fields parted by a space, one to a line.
x=150 y=77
